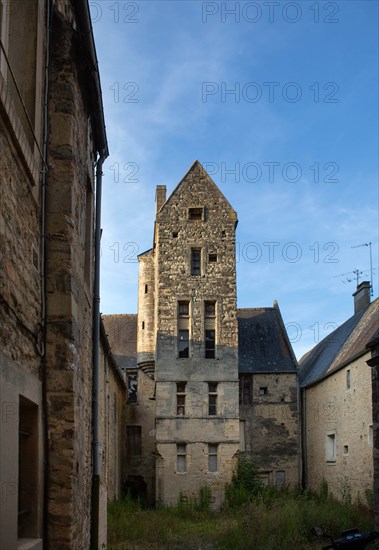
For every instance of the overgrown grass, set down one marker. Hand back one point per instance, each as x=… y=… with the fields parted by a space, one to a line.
x=271 y=519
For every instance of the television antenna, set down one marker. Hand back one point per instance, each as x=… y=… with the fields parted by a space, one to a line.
x=371 y=278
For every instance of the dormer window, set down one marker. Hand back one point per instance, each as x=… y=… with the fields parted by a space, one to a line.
x=196 y=214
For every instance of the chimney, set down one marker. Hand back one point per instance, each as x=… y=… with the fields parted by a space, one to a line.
x=361 y=296
x=160 y=197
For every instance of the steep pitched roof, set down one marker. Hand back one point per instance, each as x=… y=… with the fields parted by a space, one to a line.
x=121 y=331
x=263 y=344
x=340 y=347
x=187 y=180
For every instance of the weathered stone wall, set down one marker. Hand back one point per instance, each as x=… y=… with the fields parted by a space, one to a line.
x=271 y=430
x=20 y=289
x=175 y=235
x=146 y=321
x=112 y=399
x=139 y=470
x=69 y=291
x=332 y=408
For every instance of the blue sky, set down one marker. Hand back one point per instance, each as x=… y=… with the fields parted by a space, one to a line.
x=279 y=102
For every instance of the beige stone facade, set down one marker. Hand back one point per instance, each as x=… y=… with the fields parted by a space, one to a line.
x=337 y=410
x=339 y=434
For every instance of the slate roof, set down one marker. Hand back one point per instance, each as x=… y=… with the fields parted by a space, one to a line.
x=121 y=331
x=263 y=344
x=341 y=346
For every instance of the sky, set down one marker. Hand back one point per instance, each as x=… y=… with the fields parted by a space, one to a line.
x=279 y=102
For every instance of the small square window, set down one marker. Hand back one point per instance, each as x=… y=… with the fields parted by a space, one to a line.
x=346 y=449
x=195 y=214
x=212 y=258
x=263 y=390
x=174 y=234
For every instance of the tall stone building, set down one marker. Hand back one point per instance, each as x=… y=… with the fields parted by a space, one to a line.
x=52 y=140
x=189 y=352
x=187 y=333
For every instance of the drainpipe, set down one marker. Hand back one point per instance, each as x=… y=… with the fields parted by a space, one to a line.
x=96 y=444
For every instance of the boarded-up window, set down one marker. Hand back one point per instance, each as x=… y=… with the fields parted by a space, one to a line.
x=246 y=387
x=133 y=441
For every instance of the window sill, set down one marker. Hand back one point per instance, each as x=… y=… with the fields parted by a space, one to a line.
x=29 y=544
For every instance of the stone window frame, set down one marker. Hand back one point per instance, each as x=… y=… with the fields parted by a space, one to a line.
x=331 y=439
x=213 y=457
x=193 y=261
x=194 y=211
x=181 y=392
x=134 y=437
x=245 y=389
x=185 y=354
x=213 y=398
x=31 y=152
x=210 y=323
x=183 y=324
x=181 y=458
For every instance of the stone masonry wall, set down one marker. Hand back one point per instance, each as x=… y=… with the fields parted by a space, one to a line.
x=175 y=236
x=332 y=408
x=271 y=427
x=69 y=291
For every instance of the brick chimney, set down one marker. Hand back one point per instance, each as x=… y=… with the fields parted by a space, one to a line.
x=160 y=197
x=362 y=296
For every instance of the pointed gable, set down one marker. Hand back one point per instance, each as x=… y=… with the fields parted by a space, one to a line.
x=197 y=189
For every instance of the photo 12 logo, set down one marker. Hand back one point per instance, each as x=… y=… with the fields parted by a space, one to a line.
x=272 y=171
x=270 y=12
x=271 y=91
